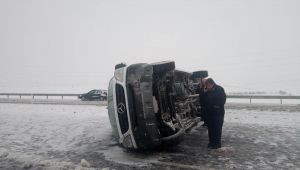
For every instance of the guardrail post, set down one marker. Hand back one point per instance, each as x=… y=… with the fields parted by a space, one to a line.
x=32 y=96
x=47 y=97
x=8 y=96
x=250 y=100
x=20 y=96
x=62 y=97
x=280 y=100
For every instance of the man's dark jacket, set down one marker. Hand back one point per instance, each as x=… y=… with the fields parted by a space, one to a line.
x=215 y=100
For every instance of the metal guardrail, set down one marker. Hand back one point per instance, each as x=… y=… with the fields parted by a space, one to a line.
x=37 y=94
x=62 y=95
x=262 y=97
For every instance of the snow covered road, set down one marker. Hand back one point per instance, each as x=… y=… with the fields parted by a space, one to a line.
x=79 y=137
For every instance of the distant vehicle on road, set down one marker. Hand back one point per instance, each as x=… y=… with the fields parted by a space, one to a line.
x=153 y=104
x=95 y=94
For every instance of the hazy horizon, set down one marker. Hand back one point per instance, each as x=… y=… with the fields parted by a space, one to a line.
x=71 y=46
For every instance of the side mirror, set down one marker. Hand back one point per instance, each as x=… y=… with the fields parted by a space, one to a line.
x=120 y=65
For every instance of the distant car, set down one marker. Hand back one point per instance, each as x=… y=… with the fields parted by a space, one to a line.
x=152 y=104
x=94 y=95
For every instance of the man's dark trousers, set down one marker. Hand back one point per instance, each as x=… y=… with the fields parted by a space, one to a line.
x=214 y=127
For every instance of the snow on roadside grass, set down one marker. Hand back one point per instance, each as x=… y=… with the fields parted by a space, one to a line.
x=37 y=125
x=263 y=118
x=45 y=134
x=270 y=138
x=60 y=136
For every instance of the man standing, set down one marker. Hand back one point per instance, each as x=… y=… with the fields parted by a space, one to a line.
x=214 y=101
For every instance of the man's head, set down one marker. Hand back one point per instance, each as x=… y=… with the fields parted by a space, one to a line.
x=209 y=83
x=201 y=82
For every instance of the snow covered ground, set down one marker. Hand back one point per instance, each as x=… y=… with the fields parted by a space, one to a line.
x=79 y=137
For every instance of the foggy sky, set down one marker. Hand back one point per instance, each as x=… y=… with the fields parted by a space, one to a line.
x=73 y=45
